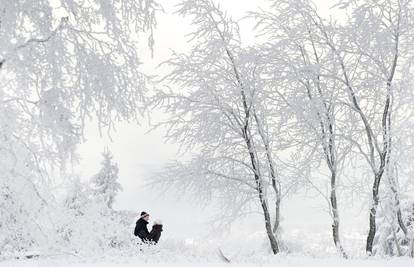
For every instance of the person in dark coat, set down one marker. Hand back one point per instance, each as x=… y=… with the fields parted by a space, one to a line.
x=141 y=229
x=156 y=232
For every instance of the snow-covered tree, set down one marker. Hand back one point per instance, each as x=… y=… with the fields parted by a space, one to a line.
x=377 y=52
x=219 y=111
x=62 y=63
x=297 y=82
x=65 y=61
x=365 y=57
x=105 y=183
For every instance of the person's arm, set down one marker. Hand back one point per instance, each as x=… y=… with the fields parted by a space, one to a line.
x=144 y=233
x=136 y=230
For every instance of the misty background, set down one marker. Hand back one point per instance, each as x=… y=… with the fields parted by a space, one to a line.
x=140 y=154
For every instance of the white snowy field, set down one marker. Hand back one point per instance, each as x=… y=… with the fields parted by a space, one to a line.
x=313 y=250
x=280 y=261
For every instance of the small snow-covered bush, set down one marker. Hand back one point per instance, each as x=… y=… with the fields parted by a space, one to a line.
x=94 y=230
x=79 y=224
x=87 y=225
x=391 y=240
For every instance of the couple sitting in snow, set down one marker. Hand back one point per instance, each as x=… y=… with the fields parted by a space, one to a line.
x=142 y=232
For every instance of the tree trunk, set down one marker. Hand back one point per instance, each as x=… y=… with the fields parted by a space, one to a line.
x=268 y=225
x=397 y=205
x=373 y=213
x=277 y=215
x=272 y=171
x=398 y=213
x=273 y=242
x=335 y=217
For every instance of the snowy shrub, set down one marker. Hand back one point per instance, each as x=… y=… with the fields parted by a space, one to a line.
x=22 y=218
x=391 y=239
x=81 y=223
x=88 y=226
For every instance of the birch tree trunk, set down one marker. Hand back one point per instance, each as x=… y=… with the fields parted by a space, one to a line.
x=268 y=225
x=275 y=182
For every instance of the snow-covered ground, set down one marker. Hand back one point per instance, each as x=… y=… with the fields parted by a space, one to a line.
x=280 y=261
x=251 y=251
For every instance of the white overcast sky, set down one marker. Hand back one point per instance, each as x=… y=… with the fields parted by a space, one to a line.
x=139 y=154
